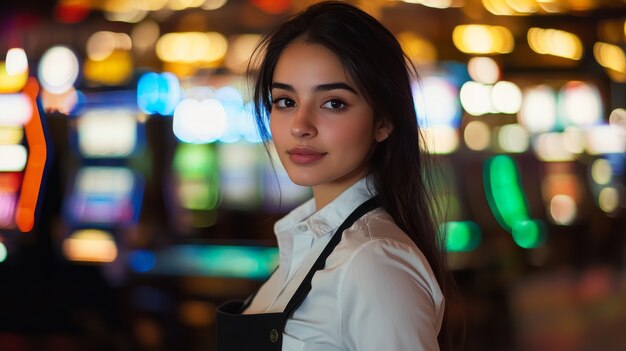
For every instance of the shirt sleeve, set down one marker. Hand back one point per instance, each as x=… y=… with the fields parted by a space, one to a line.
x=389 y=299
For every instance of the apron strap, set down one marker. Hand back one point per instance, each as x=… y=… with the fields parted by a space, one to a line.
x=320 y=263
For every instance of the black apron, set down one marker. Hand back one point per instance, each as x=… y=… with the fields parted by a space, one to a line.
x=264 y=332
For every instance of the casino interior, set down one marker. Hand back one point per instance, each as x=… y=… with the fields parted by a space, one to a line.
x=136 y=195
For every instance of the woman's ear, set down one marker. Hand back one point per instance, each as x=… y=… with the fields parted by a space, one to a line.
x=383 y=130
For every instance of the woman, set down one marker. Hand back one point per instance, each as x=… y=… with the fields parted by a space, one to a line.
x=360 y=267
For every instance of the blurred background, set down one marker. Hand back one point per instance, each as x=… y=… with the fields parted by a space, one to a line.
x=135 y=195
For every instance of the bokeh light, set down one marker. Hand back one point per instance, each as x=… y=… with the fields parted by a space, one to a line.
x=563 y=209
x=608 y=199
x=483 y=70
x=90 y=245
x=58 y=69
x=477 y=135
x=538 y=112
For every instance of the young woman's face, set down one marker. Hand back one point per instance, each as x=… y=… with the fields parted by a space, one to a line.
x=321 y=125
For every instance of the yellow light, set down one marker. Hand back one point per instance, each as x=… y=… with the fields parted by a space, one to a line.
x=482 y=39
x=498 y=7
x=418 y=49
x=115 y=69
x=192 y=47
x=178 y=5
x=555 y=42
x=90 y=245
x=610 y=56
x=523 y=6
x=11 y=134
x=152 y=5
x=601 y=171
x=11 y=83
x=608 y=199
x=477 y=135
x=218 y=46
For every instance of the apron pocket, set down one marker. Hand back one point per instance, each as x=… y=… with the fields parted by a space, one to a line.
x=292 y=344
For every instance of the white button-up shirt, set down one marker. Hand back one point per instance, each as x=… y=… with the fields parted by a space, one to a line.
x=376 y=292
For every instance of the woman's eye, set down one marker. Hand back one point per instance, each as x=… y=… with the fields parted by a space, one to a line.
x=283 y=103
x=334 y=104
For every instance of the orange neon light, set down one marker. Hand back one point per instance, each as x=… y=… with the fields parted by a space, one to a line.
x=33 y=173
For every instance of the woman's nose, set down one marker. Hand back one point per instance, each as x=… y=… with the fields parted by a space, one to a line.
x=302 y=125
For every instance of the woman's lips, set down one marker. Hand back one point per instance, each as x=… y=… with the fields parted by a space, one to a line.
x=304 y=156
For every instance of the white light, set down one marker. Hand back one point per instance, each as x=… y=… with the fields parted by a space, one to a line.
x=436 y=102
x=58 y=69
x=550 y=147
x=605 y=139
x=199 y=122
x=580 y=103
x=538 y=110
x=440 y=139
x=15 y=109
x=107 y=133
x=513 y=138
x=483 y=70
x=506 y=97
x=574 y=139
x=476 y=98
x=563 y=209
x=16 y=62
x=12 y=158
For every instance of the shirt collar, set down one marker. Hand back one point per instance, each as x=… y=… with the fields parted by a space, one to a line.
x=328 y=218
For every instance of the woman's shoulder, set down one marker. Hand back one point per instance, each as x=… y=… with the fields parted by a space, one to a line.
x=377 y=226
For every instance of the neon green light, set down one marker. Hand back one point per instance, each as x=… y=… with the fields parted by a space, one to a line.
x=528 y=233
x=461 y=236
x=508 y=203
x=504 y=192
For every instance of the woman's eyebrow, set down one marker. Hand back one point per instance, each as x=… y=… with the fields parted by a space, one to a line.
x=321 y=87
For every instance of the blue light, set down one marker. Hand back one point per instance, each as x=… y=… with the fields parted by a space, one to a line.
x=158 y=93
x=142 y=261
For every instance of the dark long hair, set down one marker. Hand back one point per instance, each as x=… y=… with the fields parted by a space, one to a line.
x=374 y=59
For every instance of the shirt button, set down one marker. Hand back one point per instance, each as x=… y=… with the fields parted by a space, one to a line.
x=273 y=335
x=302 y=228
